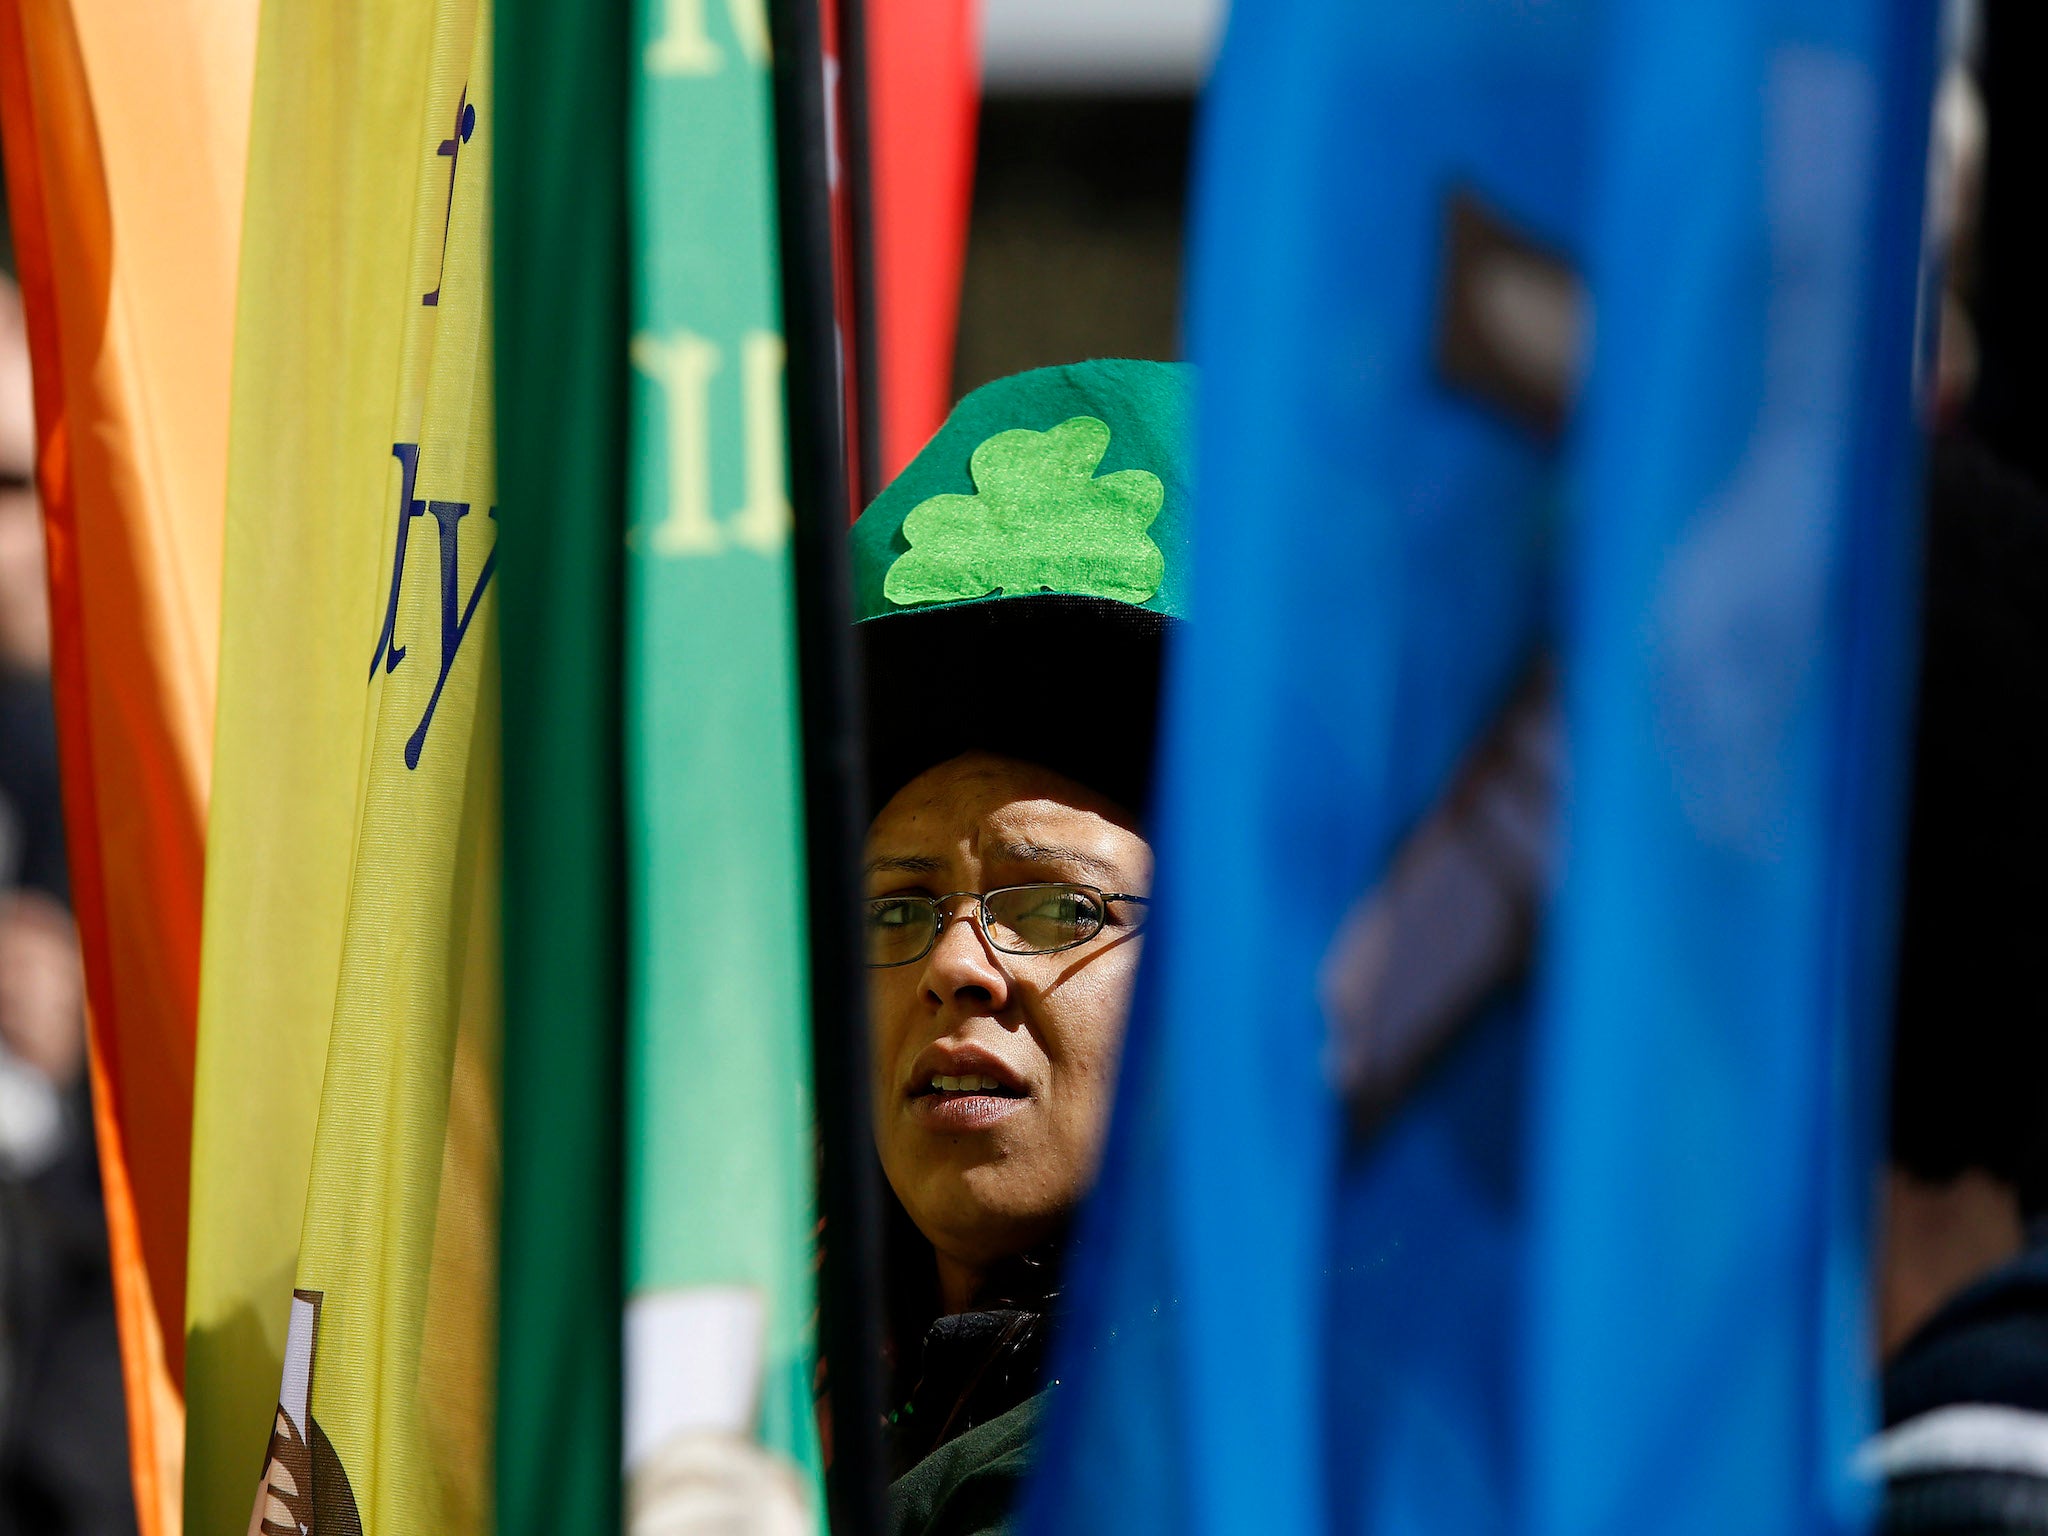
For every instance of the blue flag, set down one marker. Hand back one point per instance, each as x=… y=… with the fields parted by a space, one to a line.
x=1496 y=1121
x=1701 y=1355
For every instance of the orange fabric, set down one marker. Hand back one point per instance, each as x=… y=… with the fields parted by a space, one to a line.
x=924 y=95
x=126 y=131
x=156 y=1408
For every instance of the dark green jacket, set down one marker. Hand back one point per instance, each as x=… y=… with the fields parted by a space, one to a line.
x=967 y=1487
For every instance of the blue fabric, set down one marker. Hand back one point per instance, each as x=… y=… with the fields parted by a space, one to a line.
x=1699 y=1336
x=1603 y=1272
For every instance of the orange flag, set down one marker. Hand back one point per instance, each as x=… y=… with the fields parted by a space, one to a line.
x=126 y=136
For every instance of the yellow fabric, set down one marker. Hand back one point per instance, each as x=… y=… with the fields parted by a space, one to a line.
x=345 y=1125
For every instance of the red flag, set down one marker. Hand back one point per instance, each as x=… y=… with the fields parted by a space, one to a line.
x=924 y=95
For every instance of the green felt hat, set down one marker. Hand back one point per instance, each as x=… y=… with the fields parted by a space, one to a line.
x=1013 y=587
x=1068 y=480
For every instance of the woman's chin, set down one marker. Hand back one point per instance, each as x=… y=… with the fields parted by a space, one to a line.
x=985 y=1233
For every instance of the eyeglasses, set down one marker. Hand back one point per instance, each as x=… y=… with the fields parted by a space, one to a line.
x=1036 y=919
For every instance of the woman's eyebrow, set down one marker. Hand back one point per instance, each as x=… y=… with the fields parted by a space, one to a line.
x=906 y=864
x=1050 y=853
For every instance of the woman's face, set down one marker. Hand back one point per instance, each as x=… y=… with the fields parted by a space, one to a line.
x=988 y=1174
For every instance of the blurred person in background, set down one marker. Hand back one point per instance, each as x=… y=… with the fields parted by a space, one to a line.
x=63 y=1437
x=1963 y=1287
x=1963 y=1279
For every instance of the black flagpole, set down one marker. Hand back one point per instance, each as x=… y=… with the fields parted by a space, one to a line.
x=860 y=206
x=849 y=1299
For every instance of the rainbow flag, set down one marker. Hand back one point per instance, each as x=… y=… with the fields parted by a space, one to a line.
x=299 y=1100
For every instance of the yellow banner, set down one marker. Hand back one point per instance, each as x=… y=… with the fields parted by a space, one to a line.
x=346 y=1141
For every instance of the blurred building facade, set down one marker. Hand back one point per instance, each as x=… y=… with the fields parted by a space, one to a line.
x=1074 y=249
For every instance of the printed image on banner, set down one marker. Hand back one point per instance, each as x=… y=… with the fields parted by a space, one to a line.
x=719 y=1340
x=396 y=1267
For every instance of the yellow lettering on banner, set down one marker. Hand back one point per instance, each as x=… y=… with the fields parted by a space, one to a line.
x=763 y=523
x=750 y=26
x=684 y=46
x=683 y=364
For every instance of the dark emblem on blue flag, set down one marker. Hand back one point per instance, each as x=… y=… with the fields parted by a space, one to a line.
x=1512 y=318
x=1453 y=924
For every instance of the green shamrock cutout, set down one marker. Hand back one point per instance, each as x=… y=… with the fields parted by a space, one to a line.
x=1040 y=520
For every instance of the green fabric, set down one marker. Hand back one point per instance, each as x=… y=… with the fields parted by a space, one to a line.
x=1070 y=479
x=560 y=263
x=969 y=1485
x=1039 y=521
x=720 y=1196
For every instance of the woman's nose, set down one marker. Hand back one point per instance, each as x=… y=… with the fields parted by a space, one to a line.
x=962 y=967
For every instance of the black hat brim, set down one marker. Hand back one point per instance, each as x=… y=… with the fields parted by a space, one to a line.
x=1070 y=683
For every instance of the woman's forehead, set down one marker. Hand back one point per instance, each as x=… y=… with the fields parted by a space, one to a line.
x=975 y=785
x=1021 y=827
x=997 y=809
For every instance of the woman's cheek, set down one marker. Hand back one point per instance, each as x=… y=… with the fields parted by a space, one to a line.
x=1082 y=1052
x=885 y=1042
x=1092 y=1045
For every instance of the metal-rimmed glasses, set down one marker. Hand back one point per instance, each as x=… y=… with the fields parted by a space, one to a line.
x=1037 y=919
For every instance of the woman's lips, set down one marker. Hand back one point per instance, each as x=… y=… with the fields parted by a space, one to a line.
x=958 y=1086
x=955 y=1111
x=967 y=1100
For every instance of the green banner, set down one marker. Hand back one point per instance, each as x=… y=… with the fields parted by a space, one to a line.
x=720 y=1344
x=561 y=257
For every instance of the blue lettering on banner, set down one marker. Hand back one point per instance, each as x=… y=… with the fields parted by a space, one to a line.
x=408 y=456
x=465 y=125
x=456 y=613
